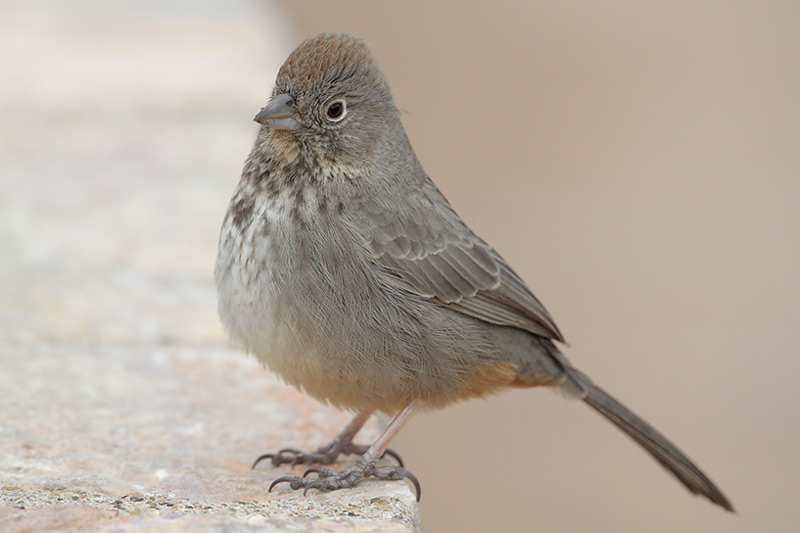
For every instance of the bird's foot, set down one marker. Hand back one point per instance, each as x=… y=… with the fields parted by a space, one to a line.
x=328 y=480
x=324 y=455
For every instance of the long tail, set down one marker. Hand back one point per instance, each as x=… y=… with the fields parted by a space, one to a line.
x=651 y=440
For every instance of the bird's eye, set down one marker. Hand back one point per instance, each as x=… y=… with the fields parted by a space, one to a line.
x=336 y=110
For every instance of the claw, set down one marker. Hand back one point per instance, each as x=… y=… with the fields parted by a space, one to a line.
x=312 y=470
x=261 y=458
x=281 y=479
x=394 y=455
x=291 y=450
x=413 y=480
x=276 y=457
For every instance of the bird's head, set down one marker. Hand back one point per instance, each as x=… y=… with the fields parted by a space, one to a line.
x=331 y=103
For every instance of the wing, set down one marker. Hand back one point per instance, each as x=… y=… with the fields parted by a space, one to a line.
x=422 y=246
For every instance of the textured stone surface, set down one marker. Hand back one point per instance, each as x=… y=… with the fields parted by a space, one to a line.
x=122 y=406
x=125 y=436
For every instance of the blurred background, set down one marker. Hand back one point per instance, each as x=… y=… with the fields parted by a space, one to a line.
x=638 y=164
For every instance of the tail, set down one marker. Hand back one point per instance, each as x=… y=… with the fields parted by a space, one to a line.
x=651 y=440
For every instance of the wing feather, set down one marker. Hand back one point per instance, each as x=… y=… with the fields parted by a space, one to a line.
x=435 y=255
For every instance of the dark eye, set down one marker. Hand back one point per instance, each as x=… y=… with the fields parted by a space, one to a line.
x=336 y=110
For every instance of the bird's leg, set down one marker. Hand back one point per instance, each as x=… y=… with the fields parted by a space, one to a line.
x=342 y=444
x=366 y=465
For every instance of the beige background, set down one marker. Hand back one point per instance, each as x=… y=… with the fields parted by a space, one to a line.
x=638 y=165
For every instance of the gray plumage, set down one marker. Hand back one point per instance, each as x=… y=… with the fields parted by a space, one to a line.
x=344 y=269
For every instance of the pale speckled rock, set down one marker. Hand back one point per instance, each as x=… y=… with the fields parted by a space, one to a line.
x=121 y=405
x=146 y=433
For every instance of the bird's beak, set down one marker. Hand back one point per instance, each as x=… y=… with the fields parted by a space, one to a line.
x=279 y=114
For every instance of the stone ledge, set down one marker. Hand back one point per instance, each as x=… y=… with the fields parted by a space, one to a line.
x=51 y=508
x=103 y=436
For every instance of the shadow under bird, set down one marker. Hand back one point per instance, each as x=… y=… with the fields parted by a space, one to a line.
x=344 y=269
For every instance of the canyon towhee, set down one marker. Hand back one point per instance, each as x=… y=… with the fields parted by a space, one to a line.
x=344 y=269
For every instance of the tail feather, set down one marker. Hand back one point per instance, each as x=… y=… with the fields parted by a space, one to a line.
x=666 y=453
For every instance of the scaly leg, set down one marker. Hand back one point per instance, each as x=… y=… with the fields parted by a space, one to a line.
x=366 y=465
x=342 y=444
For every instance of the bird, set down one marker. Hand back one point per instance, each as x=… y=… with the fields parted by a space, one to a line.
x=344 y=269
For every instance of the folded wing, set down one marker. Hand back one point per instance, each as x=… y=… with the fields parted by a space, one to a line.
x=433 y=254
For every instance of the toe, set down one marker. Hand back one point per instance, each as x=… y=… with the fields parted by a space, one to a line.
x=294 y=482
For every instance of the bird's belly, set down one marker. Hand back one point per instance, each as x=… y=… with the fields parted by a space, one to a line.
x=298 y=324
x=275 y=327
x=254 y=293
